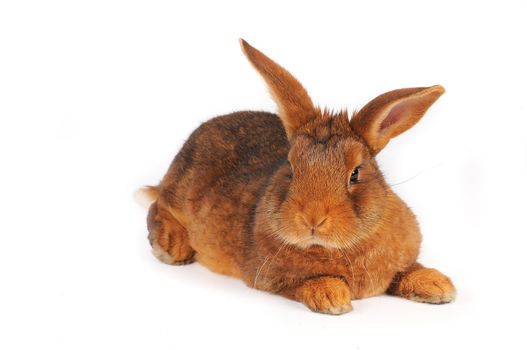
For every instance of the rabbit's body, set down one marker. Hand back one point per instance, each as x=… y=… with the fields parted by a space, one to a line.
x=294 y=203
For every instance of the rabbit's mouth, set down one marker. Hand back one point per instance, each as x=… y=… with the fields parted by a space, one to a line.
x=315 y=240
x=312 y=240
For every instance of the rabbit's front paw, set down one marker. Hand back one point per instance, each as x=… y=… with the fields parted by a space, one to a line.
x=327 y=295
x=427 y=286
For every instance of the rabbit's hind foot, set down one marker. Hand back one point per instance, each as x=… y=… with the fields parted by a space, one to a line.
x=169 y=239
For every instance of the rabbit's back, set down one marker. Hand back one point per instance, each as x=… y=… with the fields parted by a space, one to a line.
x=214 y=183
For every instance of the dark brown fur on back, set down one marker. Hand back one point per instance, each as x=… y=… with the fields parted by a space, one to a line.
x=220 y=173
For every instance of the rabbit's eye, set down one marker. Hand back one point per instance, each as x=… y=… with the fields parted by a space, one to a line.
x=355 y=175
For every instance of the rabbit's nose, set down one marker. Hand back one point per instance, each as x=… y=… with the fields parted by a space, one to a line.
x=314 y=222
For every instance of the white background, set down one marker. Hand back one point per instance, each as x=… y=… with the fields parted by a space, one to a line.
x=96 y=97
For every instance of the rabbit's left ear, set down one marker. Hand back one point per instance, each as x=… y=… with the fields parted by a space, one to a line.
x=392 y=113
x=295 y=107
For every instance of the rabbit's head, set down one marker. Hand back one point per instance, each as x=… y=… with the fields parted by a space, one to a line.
x=331 y=192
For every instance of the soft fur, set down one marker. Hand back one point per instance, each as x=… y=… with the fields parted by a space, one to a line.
x=270 y=199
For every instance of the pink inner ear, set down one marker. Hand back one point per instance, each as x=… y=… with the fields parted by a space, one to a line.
x=394 y=116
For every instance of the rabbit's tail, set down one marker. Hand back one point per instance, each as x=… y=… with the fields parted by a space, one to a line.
x=145 y=196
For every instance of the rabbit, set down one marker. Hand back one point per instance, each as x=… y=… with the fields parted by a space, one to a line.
x=294 y=203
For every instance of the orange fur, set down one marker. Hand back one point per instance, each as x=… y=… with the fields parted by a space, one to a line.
x=295 y=204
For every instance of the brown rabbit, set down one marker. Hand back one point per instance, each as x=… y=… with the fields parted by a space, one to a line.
x=294 y=203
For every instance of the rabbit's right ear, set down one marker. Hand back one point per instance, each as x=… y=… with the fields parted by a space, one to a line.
x=294 y=104
x=392 y=113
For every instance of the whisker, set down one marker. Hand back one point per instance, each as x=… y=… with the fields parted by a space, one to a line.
x=260 y=270
x=416 y=175
x=274 y=256
x=265 y=261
